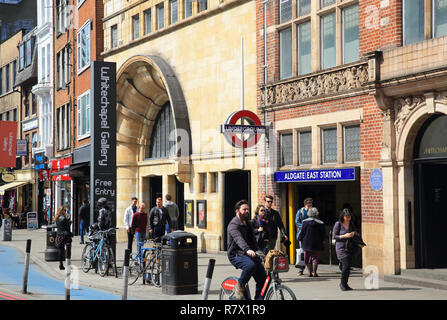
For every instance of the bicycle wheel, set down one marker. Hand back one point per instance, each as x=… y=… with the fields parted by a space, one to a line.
x=87 y=257
x=282 y=292
x=103 y=261
x=226 y=288
x=156 y=271
x=112 y=262
x=134 y=269
x=148 y=260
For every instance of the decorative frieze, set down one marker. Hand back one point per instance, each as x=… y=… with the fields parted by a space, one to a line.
x=316 y=86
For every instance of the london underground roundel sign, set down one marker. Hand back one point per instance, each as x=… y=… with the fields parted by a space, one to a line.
x=254 y=129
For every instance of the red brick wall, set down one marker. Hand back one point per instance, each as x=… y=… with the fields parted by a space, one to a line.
x=379 y=28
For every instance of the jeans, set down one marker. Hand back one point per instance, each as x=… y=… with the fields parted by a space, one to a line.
x=139 y=236
x=251 y=267
x=129 y=240
x=83 y=228
x=345 y=271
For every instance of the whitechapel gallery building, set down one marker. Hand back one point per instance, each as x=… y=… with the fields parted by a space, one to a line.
x=181 y=66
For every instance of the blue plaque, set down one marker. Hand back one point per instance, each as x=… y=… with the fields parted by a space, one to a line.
x=316 y=175
x=376 y=179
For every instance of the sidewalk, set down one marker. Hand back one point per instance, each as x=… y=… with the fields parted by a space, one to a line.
x=324 y=287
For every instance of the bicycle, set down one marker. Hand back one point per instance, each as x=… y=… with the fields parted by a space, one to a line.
x=138 y=266
x=273 y=288
x=152 y=270
x=98 y=254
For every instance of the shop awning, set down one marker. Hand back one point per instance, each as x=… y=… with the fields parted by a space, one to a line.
x=13 y=185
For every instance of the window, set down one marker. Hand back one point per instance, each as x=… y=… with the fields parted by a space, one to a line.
x=174 y=10
x=1 y=81
x=26 y=103
x=28 y=51
x=203 y=5
x=202 y=177
x=188 y=8
x=7 y=79
x=305 y=147
x=63 y=68
x=285 y=10
x=83 y=115
x=303 y=7
x=21 y=56
x=161 y=144
x=214 y=182
x=286 y=149
x=325 y=3
x=135 y=27
x=49 y=62
x=413 y=21
x=147 y=21
x=350 y=20
x=439 y=18
x=285 y=53
x=14 y=115
x=114 y=36
x=329 y=145
x=416 y=14
x=14 y=71
x=26 y=158
x=33 y=104
x=328 y=49
x=160 y=16
x=62 y=16
x=304 y=48
x=84 y=47
x=351 y=143
x=34 y=140
x=63 y=127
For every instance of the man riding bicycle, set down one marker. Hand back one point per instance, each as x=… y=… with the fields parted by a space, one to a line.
x=242 y=247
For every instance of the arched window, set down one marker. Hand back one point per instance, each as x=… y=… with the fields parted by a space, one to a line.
x=161 y=146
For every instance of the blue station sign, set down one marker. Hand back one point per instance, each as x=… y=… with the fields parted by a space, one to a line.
x=316 y=175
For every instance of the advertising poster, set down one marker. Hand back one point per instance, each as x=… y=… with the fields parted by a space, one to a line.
x=8 y=144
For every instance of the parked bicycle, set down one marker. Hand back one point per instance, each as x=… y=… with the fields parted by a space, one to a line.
x=148 y=266
x=273 y=288
x=98 y=252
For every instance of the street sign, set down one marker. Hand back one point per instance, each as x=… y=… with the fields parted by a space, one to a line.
x=316 y=175
x=254 y=128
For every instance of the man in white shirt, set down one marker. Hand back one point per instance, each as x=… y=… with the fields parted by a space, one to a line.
x=128 y=215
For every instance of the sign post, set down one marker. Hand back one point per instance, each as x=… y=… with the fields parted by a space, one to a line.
x=103 y=138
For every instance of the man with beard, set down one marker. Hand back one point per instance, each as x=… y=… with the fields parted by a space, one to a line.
x=242 y=249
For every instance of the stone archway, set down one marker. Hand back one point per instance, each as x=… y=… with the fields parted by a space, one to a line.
x=410 y=113
x=145 y=84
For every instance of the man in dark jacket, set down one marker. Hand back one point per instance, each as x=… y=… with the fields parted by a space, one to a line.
x=158 y=216
x=242 y=247
x=84 y=219
x=275 y=223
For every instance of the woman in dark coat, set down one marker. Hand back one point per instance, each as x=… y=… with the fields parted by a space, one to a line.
x=260 y=227
x=63 y=235
x=344 y=230
x=312 y=236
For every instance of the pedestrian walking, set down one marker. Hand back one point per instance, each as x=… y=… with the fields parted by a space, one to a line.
x=158 y=216
x=63 y=235
x=342 y=232
x=260 y=227
x=173 y=211
x=300 y=216
x=312 y=237
x=242 y=249
x=128 y=214
x=275 y=223
x=84 y=219
x=138 y=227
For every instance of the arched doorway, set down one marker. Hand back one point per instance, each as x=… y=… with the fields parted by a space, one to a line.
x=430 y=185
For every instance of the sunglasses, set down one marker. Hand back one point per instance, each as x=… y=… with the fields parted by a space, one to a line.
x=269 y=201
x=261 y=210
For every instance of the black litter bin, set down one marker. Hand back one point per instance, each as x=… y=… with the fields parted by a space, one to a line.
x=51 y=252
x=179 y=263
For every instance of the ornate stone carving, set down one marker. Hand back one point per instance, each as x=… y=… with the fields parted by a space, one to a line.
x=402 y=109
x=314 y=86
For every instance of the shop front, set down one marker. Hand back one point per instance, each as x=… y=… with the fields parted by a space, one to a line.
x=331 y=189
x=62 y=185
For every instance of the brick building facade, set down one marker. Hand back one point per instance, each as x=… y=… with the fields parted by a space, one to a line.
x=346 y=88
x=78 y=40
